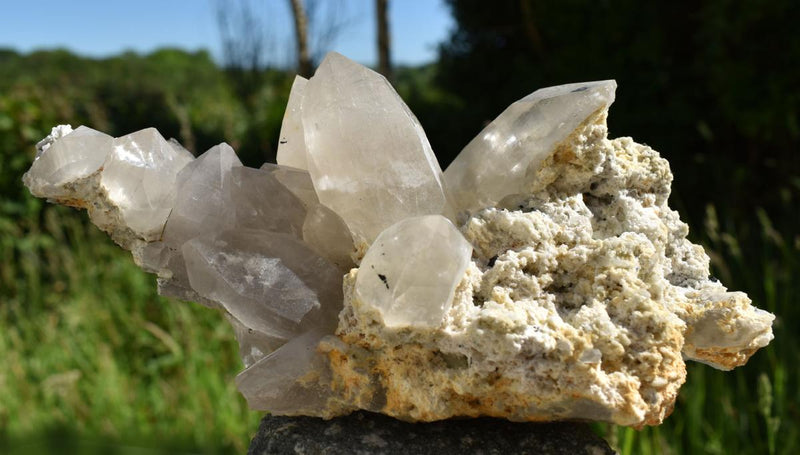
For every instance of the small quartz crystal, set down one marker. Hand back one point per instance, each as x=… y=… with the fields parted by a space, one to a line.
x=411 y=271
x=75 y=155
x=139 y=177
x=270 y=282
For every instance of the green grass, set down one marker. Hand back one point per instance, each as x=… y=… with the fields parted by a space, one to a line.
x=93 y=358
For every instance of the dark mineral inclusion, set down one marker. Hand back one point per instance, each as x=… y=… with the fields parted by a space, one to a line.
x=368 y=433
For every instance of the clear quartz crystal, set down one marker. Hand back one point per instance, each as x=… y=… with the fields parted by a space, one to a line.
x=262 y=202
x=66 y=156
x=270 y=282
x=507 y=153
x=202 y=206
x=202 y=203
x=326 y=233
x=298 y=181
x=291 y=380
x=292 y=145
x=411 y=271
x=367 y=154
x=253 y=345
x=139 y=179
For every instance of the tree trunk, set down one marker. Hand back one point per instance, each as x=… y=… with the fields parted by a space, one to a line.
x=384 y=42
x=301 y=36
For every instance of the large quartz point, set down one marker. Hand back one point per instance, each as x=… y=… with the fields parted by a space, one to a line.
x=66 y=156
x=503 y=158
x=139 y=178
x=367 y=154
x=411 y=271
x=270 y=282
x=292 y=145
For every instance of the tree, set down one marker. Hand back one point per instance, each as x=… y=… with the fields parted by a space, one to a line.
x=245 y=43
x=301 y=37
x=384 y=39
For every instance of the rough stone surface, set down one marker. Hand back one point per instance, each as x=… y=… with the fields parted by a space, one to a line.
x=566 y=288
x=583 y=291
x=367 y=433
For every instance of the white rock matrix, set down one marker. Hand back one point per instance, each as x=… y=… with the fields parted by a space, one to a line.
x=542 y=276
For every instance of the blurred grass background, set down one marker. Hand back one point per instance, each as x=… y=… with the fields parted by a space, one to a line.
x=93 y=360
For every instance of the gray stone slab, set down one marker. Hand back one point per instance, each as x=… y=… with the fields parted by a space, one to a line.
x=368 y=433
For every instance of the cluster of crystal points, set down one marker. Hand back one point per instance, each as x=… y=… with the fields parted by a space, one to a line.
x=541 y=277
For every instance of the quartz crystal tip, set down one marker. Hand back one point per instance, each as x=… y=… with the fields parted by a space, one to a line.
x=367 y=154
x=500 y=160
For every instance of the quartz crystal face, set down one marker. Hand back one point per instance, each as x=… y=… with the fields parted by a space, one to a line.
x=411 y=271
x=292 y=143
x=75 y=156
x=567 y=289
x=270 y=282
x=139 y=176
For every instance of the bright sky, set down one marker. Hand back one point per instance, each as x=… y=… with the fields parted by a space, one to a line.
x=106 y=27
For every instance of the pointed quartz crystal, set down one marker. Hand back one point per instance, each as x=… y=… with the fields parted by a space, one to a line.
x=298 y=181
x=325 y=232
x=270 y=282
x=139 y=179
x=367 y=154
x=262 y=202
x=202 y=206
x=293 y=380
x=411 y=271
x=292 y=145
x=502 y=158
x=322 y=228
x=253 y=345
x=66 y=156
x=202 y=201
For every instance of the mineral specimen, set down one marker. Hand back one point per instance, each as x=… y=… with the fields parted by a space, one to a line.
x=541 y=277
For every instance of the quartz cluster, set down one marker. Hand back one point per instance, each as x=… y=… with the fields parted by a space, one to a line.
x=542 y=276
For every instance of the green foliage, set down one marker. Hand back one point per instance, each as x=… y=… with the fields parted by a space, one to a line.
x=93 y=359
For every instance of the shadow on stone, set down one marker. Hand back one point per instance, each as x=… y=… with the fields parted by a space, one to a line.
x=368 y=433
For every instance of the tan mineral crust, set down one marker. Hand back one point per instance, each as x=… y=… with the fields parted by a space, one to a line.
x=565 y=288
x=581 y=301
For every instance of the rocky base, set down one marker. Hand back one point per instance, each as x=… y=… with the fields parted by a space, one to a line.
x=368 y=433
